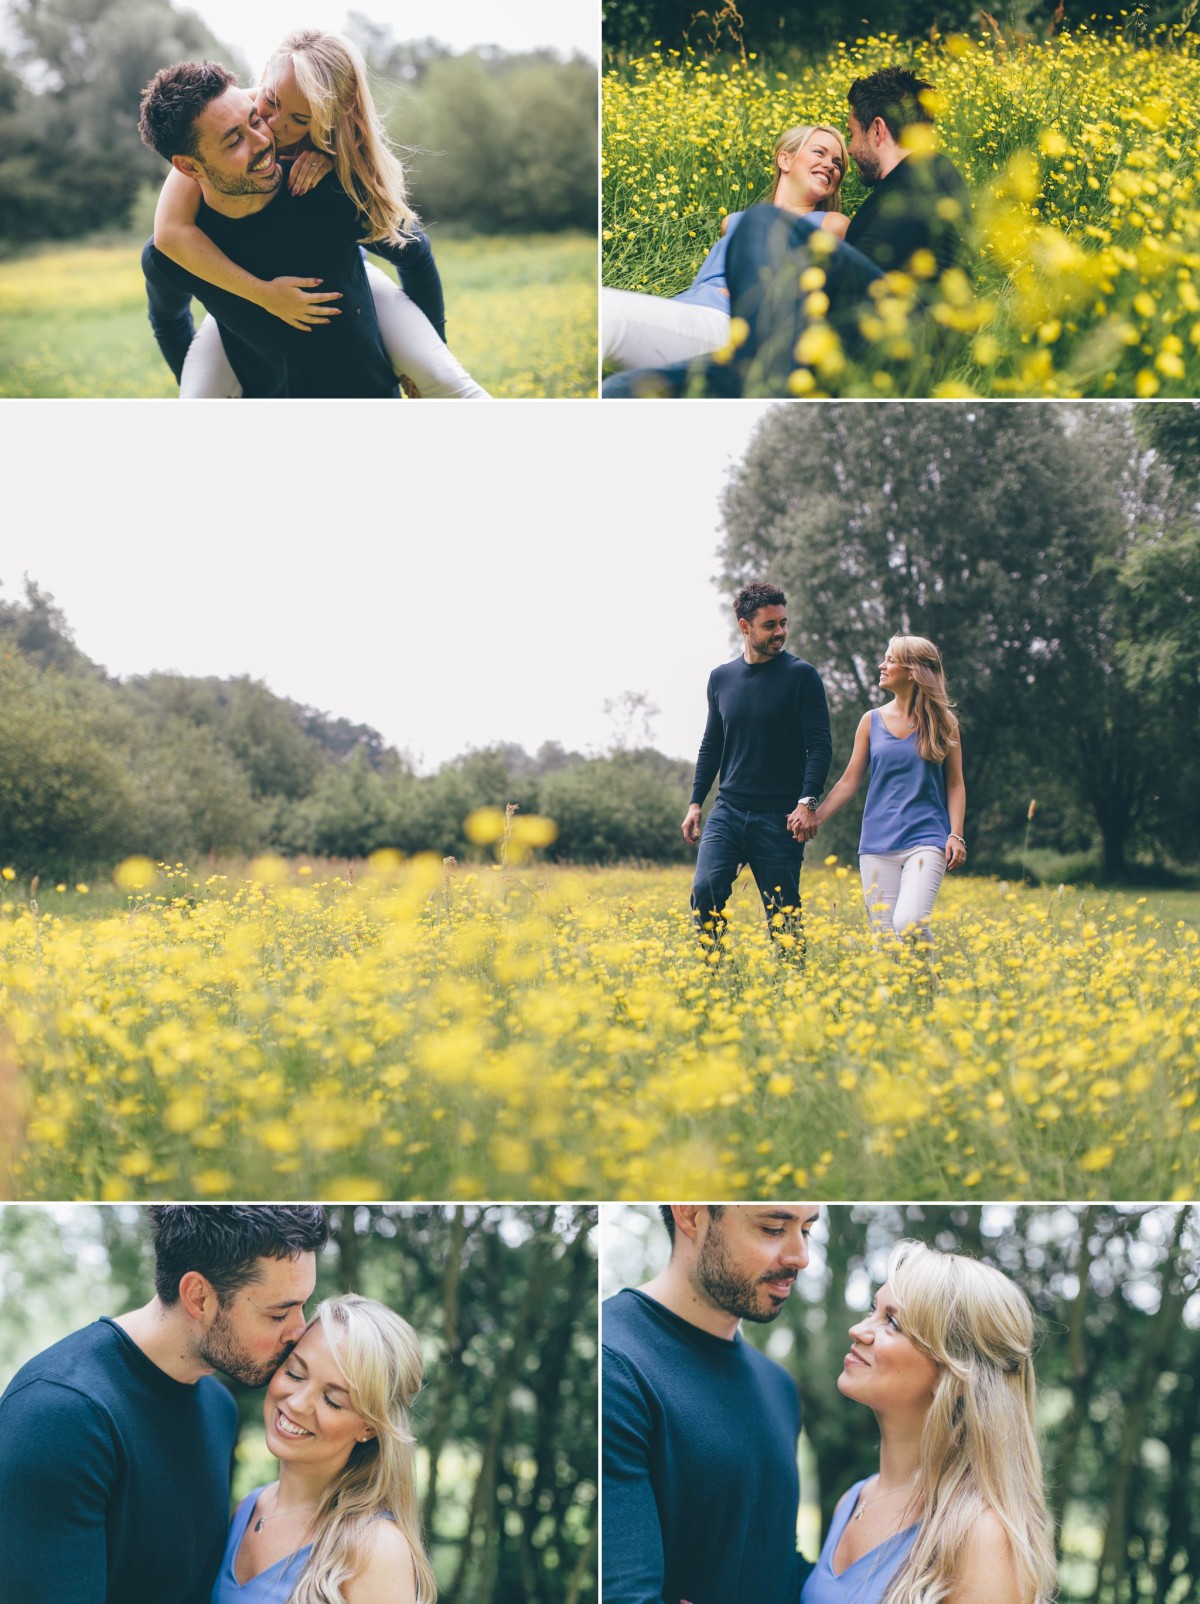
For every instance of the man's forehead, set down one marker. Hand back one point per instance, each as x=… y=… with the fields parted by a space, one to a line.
x=801 y=1213
x=283 y=1282
x=226 y=111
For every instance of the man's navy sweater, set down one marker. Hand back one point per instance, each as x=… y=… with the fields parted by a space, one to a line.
x=114 y=1478
x=700 y=1481
x=767 y=734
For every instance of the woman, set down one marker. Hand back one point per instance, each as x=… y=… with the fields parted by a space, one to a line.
x=916 y=800
x=341 y=1522
x=647 y=331
x=956 y=1514
x=317 y=102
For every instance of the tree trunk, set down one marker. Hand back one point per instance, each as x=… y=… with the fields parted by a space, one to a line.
x=451 y=1366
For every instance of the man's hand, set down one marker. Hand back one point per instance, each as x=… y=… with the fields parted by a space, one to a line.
x=308 y=169
x=691 y=824
x=802 y=822
x=297 y=302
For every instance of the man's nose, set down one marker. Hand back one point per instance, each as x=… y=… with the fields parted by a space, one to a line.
x=797 y=1254
x=292 y=1329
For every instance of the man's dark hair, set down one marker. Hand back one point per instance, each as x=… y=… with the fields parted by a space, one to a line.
x=172 y=101
x=751 y=597
x=715 y=1210
x=224 y=1242
x=893 y=93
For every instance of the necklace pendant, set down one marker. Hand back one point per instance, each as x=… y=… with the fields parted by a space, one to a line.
x=258 y=1524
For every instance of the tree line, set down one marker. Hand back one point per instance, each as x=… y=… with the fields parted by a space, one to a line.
x=632 y=27
x=71 y=161
x=93 y=769
x=504 y=1301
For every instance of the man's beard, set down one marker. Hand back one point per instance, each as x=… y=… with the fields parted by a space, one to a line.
x=868 y=170
x=223 y=1352
x=738 y=1295
x=244 y=184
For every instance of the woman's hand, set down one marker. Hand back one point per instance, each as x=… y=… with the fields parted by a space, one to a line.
x=956 y=852
x=308 y=169
x=295 y=301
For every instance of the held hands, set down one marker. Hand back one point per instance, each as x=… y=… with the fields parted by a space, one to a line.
x=803 y=822
x=308 y=169
x=956 y=852
x=295 y=301
x=691 y=824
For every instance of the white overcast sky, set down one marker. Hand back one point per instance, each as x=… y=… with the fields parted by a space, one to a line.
x=451 y=575
x=256 y=26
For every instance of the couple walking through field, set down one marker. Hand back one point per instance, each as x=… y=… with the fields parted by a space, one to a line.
x=782 y=266
x=767 y=736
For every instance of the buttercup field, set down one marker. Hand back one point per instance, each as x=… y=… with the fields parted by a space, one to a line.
x=421 y=1030
x=1079 y=151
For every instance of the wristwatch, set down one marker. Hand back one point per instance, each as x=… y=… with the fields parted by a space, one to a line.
x=809 y=802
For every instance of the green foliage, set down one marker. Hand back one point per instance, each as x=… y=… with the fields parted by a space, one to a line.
x=632 y=25
x=502 y=144
x=619 y=808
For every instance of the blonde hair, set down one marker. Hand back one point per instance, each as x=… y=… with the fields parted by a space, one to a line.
x=332 y=76
x=793 y=139
x=979 y=1447
x=380 y=1357
x=937 y=727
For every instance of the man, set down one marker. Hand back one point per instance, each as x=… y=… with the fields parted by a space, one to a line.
x=195 y=116
x=699 y=1434
x=115 y=1444
x=915 y=219
x=768 y=737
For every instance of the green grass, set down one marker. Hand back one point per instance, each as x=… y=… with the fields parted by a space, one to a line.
x=521 y=314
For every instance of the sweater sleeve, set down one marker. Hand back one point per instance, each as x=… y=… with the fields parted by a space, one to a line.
x=632 y=1538
x=57 y=1467
x=712 y=746
x=419 y=276
x=814 y=732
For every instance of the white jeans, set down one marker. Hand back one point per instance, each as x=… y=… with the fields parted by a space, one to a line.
x=900 y=888
x=409 y=338
x=648 y=331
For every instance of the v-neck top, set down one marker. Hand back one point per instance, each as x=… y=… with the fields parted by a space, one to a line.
x=906 y=795
x=866 y=1581
x=275 y=1585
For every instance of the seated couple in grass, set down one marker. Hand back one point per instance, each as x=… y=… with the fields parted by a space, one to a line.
x=261 y=218
x=753 y=298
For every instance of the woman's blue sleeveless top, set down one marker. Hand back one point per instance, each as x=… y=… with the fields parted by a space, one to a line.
x=864 y=1582
x=906 y=796
x=275 y=1585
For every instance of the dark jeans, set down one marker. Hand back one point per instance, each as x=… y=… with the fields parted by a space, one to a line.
x=733 y=837
x=769 y=251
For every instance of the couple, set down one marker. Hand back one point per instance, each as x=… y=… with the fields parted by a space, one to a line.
x=261 y=219
x=700 y=1429
x=116 y=1443
x=767 y=736
x=773 y=260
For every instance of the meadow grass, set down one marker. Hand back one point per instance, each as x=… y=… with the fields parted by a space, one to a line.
x=1081 y=155
x=410 y=1030
x=521 y=314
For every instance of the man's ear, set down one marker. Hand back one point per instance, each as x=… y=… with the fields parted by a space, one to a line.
x=187 y=165
x=880 y=132
x=687 y=1221
x=197 y=1295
